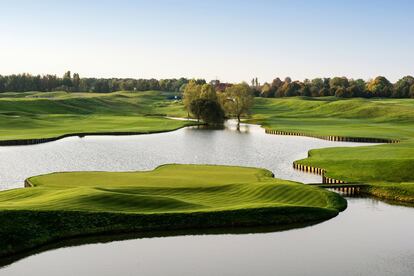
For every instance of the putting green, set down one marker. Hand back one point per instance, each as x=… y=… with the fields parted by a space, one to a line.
x=62 y=205
x=169 y=188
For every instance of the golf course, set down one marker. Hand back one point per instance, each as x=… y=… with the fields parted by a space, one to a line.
x=174 y=197
x=31 y=116
x=386 y=169
x=200 y=138
x=171 y=197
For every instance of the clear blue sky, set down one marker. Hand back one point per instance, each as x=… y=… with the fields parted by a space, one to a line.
x=233 y=40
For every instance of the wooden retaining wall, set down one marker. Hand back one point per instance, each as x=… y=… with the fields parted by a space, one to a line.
x=346 y=190
x=333 y=138
x=319 y=171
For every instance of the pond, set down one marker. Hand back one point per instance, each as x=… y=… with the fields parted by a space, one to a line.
x=249 y=146
x=369 y=238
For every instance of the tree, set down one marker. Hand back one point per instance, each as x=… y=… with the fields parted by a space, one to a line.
x=207 y=91
x=292 y=89
x=266 y=91
x=200 y=81
x=357 y=87
x=402 y=87
x=76 y=82
x=305 y=90
x=207 y=110
x=380 y=87
x=276 y=84
x=343 y=92
x=316 y=86
x=67 y=79
x=412 y=91
x=324 y=92
x=191 y=92
x=353 y=91
x=338 y=82
x=241 y=97
x=288 y=80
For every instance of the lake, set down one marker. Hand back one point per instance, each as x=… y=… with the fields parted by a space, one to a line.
x=369 y=238
x=250 y=146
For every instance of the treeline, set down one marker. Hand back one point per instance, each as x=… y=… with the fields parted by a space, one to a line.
x=318 y=87
x=73 y=83
x=338 y=86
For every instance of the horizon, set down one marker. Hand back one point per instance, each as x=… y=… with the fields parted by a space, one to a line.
x=233 y=41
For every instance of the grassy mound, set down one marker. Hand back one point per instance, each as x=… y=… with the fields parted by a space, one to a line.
x=34 y=115
x=388 y=168
x=171 y=197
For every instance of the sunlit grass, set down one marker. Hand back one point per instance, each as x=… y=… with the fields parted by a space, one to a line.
x=385 y=166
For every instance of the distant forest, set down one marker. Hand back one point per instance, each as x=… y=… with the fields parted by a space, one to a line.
x=73 y=83
x=337 y=86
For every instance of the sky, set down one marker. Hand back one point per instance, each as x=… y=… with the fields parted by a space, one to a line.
x=230 y=40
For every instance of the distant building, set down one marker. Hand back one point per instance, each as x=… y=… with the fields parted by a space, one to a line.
x=220 y=86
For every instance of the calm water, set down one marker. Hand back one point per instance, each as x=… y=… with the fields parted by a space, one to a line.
x=248 y=147
x=369 y=238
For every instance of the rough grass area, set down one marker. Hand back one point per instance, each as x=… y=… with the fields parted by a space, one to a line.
x=34 y=115
x=63 y=205
x=388 y=168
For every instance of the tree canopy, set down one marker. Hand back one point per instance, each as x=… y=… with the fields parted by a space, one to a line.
x=74 y=83
x=239 y=99
x=207 y=110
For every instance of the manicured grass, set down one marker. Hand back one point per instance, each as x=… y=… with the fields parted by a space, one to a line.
x=388 y=168
x=34 y=115
x=63 y=205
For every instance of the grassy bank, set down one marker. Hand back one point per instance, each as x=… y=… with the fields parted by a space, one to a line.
x=35 y=115
x=171 y=197
x=387 y=168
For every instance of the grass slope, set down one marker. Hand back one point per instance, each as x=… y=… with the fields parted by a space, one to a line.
x=34 y=115
x=63 y=205
x=388 y=168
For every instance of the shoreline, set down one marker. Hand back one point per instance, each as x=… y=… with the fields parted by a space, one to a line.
x=374 y=191
x=89 y=224
x=35 y=141
x=334 y=138
x=29 y=229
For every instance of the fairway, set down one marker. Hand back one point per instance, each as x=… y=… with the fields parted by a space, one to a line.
x=170 y=197
x=388 y=168
x=36 y=115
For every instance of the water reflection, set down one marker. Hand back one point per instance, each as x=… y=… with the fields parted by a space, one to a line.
x=369 y=238
x=88 y=240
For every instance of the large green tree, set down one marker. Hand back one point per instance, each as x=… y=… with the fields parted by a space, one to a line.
x=207 y=110
x=207 y=91
x=191 y=92
x=402 y=87
x=240 y=99
x=380 y=87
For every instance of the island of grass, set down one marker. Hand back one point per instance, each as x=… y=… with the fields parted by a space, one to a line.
x=387 y=170
x=36 y=117
x=171 y=197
